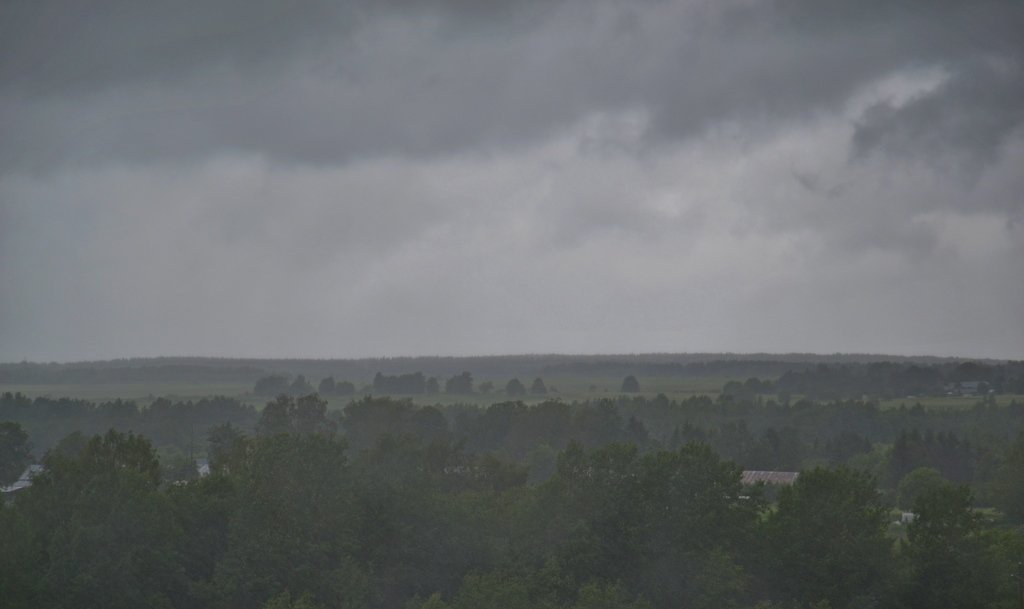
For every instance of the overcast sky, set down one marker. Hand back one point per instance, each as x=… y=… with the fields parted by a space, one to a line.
x=344 y=179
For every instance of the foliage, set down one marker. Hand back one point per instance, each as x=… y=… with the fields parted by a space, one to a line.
x=631 y=502
x=1009 y=482
x=284 y=601
x=460 y=384
x=294 y=526
x=918 y=482
x=515 y=388
x=110 y=539
x=274 y=384
x=827 y=538
x=165 y=423
x=950 y=564
x=226 y=447
x=596 y=595
x=305 y=415
x=15 y=452
x=300 y=386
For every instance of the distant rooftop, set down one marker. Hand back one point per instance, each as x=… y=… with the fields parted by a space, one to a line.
x=780 y=478
x=24 y=481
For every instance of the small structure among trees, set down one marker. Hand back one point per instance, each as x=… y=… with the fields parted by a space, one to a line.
x=767 y=477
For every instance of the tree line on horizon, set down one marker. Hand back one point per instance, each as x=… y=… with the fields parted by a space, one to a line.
x=876 y=380
x=414 y=383
x=834 y=376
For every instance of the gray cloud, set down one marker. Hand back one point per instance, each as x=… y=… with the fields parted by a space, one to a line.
x=969 y=117
x=62 y=49
x=335 y=81
x=467 y=177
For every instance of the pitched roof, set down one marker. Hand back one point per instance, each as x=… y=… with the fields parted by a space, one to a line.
x=24 y=481
x=783 y=478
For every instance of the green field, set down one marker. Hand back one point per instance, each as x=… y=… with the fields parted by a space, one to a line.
x=142 y=393
x=948 y=402
x=562 y=387
x=566 y=388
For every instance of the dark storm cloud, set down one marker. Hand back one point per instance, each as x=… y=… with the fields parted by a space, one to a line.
x=328 y=82
x=970 y=116
x=373 y=178
x=64 y=48
x=789 y=59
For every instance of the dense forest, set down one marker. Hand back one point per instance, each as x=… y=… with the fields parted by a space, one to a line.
x=635 y=501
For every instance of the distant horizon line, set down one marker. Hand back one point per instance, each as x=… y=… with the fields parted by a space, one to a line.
x=603 y=355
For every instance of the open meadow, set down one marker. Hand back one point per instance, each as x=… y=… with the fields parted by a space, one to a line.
x=567 y=388
x=562 y=387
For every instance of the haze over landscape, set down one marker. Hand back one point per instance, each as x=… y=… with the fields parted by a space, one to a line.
x=396 y=178
x=521 y=304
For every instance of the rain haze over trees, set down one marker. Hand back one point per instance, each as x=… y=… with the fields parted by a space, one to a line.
x=628 y=497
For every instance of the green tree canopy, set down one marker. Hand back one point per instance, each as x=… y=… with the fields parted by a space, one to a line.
x=111 y=538
x=15 y=452
x=950 y=565
x=460 y=384
x=1008 y=487
x=274 y=384
x=515 y=388
x=304 y=415
x=918 y=482
x=296 y=523
x=827 y=538
x=326 y=386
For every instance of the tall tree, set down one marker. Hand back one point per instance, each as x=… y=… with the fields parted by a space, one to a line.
x=326 y=386
x=15 y=451
x=950 y=564
x=110 y=536
x=515 y=388
x=300 y=386
x=917 y=482
x=460 y=384
x=310 y=416
x=276 y=417
x=295 y=525
x=827 y=538
x=226 y=447
x=1008 y=487
x=274 y=384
